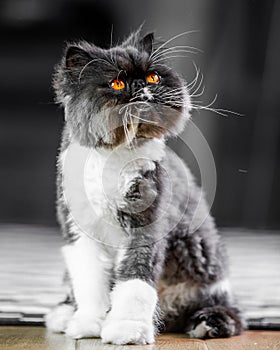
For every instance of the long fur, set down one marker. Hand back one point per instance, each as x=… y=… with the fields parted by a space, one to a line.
x=128 y=206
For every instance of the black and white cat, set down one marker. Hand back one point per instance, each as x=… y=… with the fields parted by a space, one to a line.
x=142 y=252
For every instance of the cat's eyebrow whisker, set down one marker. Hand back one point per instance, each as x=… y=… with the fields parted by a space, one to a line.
x=188 y=49
x=120 y=73
x=113 y=60
x=90 y=62
x=169 y=57
x=84 y=67
x=173 y=38
x=111 y=42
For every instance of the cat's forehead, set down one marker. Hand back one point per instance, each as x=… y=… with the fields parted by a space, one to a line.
x=129 y=58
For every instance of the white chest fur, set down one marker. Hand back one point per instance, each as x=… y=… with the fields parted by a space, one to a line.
x=95 y=182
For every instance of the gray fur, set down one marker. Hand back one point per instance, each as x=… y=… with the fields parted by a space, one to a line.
x=157 y=254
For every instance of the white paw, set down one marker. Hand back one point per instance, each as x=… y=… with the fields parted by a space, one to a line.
x=200 y=331
x=84 y=326
x=128 y=332
x=58 y=318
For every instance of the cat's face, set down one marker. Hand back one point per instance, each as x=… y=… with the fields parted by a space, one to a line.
x=121 y=94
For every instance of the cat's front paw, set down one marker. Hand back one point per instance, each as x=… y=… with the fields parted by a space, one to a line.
x=57 y=319
x=84 y=326
x=128 y=332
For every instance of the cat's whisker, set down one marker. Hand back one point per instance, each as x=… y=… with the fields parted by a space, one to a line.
x=90 y=62
x=135 y=104
x=169 y=57
x=120 y=73
x=129 y=140
x=134 y=133
x=214 y=110
x=84 y=67
x=175 y=49
x=128 y=115
x=171 y=93
x=180 y=88
x=198 y=94
x=111 y=42
x=126 y=132
x=220 y=111
x=198 y=86
x=193 y=83
x=173 y=38
x=143 y=119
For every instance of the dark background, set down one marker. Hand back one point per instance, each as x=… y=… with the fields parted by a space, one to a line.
x=240 y=40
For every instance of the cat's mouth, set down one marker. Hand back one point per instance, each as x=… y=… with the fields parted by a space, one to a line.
x=140 y=120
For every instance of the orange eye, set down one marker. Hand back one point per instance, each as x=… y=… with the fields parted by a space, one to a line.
x=152 y=78
x=117 y=84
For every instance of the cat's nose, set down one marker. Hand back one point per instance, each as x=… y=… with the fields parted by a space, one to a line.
x=137 y=85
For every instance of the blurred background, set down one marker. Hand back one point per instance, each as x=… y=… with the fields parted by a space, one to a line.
x=240 y=63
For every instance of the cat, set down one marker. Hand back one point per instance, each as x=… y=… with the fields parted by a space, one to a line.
x=142 y=252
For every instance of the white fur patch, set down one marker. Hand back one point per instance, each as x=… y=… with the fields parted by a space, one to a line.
x=128 y=332
x=131 y=317
x=219 y=287
x=147 y=93
x=58 y=318
x=200 y=331
x=88 y=269
x=95 y=182
x=84 y=325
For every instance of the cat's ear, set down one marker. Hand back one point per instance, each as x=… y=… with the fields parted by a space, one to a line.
x=76 y=57
x=146 y=43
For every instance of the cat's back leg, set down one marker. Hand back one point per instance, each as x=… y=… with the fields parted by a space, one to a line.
x=194 y=293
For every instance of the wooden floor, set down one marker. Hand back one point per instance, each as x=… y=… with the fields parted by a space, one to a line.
x=38 y=338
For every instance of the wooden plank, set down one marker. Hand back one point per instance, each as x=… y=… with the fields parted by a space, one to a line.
x=163 y=342
x=252 y=340
x=178 y=341
x=33 y=338
x=38 y=338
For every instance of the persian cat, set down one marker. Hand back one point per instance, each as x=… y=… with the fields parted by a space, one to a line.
x=142 y=253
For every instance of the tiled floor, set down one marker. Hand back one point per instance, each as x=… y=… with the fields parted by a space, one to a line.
x=31 y=271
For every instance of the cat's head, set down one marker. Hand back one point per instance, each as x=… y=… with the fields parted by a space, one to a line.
x=117 y=95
